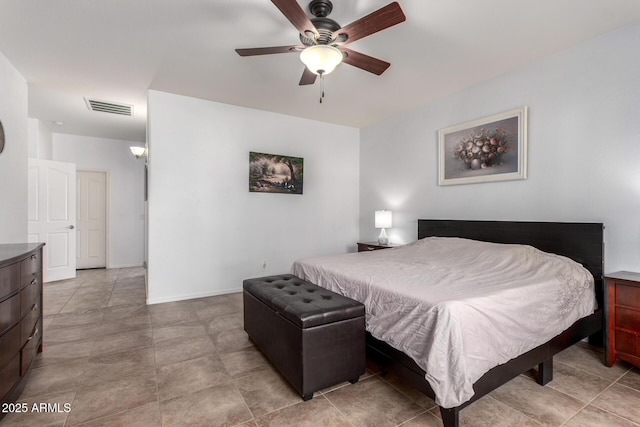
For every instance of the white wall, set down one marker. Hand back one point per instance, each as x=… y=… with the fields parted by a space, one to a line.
x=13 y=160
x=206 y=231
x=40 y=140
x=126 y=191
x=584 y=152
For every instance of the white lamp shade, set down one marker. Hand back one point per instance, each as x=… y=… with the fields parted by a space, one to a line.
x=138 y=151
x=321 y=58
x=383 y=219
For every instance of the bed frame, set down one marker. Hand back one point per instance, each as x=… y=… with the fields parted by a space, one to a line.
x=582 y=242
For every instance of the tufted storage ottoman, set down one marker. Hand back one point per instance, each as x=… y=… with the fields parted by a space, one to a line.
x=314 y=337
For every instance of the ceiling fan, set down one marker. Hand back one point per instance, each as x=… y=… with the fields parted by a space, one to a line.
x=324 y=41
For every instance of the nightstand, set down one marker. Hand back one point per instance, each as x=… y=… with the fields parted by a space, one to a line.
x=374 y=246
x=622 y=311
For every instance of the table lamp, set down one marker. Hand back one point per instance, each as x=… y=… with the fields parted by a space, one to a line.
x=383 y=220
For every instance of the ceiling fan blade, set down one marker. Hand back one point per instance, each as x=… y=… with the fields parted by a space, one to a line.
x=308 y=78
x=294 y=13
x=385 y=17
x=268 y=50
x=364 y=62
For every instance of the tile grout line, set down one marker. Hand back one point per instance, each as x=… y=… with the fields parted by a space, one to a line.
x=155 y=370
x=592 y=373
x=102 y=310
x=338 y=409
x=616 y=382
x=519 y=411
x=590 y=402
x=77 y=385
x=233 y=380
x=86 y=363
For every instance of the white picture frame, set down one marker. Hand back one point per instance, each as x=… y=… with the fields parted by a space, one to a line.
x=489 y=149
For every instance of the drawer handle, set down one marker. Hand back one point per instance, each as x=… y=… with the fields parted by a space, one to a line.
x=369 y=248
x=34 y=307
x=34 y=256
x=33 y=282
x=35 y=332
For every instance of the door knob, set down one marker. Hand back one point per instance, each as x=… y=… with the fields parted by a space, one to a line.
x=71 y=227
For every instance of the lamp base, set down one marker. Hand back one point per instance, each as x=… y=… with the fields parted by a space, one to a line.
x=382 y=238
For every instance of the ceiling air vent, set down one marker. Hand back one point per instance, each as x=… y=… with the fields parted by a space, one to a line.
x=109 y=107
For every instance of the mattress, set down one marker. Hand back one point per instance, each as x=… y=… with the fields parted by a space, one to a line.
x=459 y=307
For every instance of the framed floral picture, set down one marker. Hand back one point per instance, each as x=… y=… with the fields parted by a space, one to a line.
x=485 y=150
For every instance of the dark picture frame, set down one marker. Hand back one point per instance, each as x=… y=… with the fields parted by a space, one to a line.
x=146 y=182
x=2 y=137
x=490 y=149
x=274 y=173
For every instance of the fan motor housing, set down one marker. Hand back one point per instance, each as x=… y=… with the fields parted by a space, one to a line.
x=321 y=8
x=325 y=26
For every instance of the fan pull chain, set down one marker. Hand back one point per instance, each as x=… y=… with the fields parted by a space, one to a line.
x=321 y=87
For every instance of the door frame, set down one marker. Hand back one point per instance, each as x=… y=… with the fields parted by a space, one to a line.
x=107 y=216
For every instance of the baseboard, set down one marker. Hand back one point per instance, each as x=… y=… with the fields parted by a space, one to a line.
x=125 y=266
x=151 y=301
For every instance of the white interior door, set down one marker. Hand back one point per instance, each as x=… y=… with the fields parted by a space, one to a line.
x=52 y=216
x=91 y=230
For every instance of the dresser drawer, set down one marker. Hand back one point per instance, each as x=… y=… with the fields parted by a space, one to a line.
x=28 y=324
x=30 y=268
x=9 y=345
x=627 y=319
x=628 y=343
x=31 y=265
x=30 y=349
x=9 y=313
x=9 y=279
x=628 y=295
x=30 y=297
x=9 y=375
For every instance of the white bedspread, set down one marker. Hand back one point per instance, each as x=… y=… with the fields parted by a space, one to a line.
x=459 y=307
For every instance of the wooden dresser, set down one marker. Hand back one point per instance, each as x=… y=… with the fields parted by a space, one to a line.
x=20 y=314
x=622 y=300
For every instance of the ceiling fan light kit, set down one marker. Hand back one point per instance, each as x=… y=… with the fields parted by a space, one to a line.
x=324 y=41
x=321 y=59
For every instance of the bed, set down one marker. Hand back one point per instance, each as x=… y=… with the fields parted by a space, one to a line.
x=580 y=242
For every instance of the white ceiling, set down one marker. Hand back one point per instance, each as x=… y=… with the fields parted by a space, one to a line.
x=115 y=50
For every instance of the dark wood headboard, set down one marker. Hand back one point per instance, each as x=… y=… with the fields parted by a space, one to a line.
x=581 y=241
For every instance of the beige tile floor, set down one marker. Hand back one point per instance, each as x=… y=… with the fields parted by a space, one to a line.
x=118 y=362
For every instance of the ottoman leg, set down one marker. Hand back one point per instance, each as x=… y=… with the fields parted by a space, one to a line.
x=355 y=380
x=307 y=397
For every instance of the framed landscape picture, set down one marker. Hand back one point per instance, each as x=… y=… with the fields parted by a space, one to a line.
x=485 y=150
x=273 y=173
